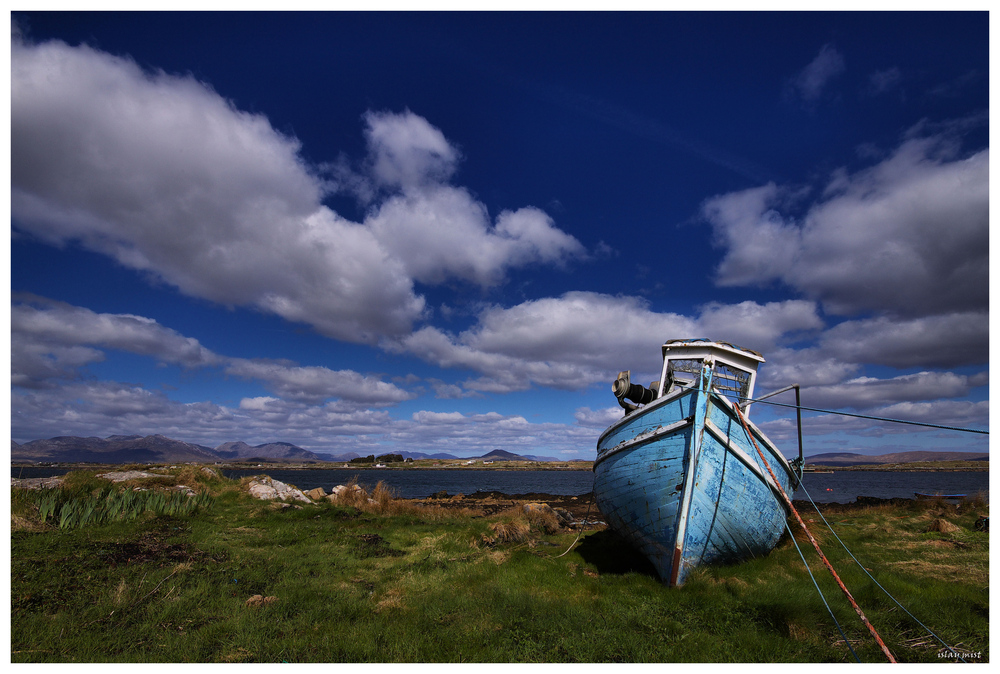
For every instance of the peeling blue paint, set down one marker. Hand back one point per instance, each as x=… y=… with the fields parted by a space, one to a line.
x=697 y=489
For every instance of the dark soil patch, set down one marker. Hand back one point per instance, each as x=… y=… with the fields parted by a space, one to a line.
x=373 y=545
x=491 y=502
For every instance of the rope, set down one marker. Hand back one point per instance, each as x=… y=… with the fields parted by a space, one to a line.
x=816 y=585
x=586 y=519
x=828 y=526
x=865 y=416
x=812 y=540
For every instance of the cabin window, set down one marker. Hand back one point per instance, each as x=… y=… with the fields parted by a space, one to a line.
x=732 y=380
x=726 y=378
x=683 y=371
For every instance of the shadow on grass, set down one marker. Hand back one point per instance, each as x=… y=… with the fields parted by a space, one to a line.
x=612 y=554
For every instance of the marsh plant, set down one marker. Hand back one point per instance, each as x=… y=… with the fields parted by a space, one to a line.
x=114 y=504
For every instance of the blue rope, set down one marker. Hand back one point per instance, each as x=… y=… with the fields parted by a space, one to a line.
x=865 y=416
x=873 y=578
x=797 y=549
x=816 y=585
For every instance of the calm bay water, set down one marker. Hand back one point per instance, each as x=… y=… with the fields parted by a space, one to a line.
x=840 y=486
x=421 y=483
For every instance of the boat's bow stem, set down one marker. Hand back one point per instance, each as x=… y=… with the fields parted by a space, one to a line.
x=812 y=540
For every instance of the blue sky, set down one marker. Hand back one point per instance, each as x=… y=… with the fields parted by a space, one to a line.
x=376 y=232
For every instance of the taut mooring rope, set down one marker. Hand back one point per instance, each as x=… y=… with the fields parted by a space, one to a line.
x=866 y=416
x=862 y=567
x=812 y=540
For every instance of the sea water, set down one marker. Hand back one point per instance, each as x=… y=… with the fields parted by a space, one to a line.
x=837 y=487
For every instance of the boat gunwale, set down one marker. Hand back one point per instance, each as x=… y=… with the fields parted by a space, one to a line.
x=602 y=454
x=645 y=409
x=639 y=440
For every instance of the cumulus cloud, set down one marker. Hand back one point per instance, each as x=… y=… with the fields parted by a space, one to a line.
x=166 y=176
x=108 y=408
x=865 y=393
x=950 y=340
x=53 y=340
x=315 y=383
x=599 y=419
x=844 y=430
x=908 y=236
x=407 y=152
x=582 y=338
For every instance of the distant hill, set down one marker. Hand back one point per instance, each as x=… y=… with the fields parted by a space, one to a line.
x=502 y=455
x=113 y=449
x=161 y=449
x=854 y=459
x=271 y=451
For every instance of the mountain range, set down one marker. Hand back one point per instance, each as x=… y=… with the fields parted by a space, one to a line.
x=161 y=449
x=852 y=459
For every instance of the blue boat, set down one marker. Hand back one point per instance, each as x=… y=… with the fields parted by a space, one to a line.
x=678 y=476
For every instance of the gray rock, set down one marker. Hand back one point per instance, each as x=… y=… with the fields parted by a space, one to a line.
x=266 y=489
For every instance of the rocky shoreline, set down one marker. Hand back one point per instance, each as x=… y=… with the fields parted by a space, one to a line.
x=580 y=508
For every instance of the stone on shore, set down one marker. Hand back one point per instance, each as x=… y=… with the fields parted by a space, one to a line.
x=122 y=475
x=562 y=516
x=316 y=494
x=267 y=489
x=36 y=482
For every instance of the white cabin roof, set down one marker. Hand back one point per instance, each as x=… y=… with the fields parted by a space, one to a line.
x=689 y=345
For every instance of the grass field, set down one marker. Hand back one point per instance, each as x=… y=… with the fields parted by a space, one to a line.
x=383 y=580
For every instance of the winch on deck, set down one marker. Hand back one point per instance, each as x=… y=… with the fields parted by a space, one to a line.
x=734 y=371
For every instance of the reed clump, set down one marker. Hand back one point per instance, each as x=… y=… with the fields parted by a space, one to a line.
x=68 y=509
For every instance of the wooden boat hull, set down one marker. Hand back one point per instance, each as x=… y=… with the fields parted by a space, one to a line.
x=680 y=480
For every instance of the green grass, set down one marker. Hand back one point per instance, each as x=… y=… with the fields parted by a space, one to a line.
x=390 y=582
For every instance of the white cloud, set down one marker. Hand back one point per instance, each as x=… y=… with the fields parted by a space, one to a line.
x=315 y=383
x=109 y=408
x=599 y=419
x=845 y=429
x=865 y=393
x=582 y=338
x=441 y=232
x=406 y=151
x=950 y=340
x=53 y=340
x=908 y=236
x=164 y=175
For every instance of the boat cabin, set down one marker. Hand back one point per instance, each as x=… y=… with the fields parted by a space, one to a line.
x=734 y=372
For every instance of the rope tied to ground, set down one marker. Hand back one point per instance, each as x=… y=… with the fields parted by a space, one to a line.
x=819 y=551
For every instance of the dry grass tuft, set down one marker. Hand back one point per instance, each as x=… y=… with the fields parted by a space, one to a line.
x=507 y=531
x=30 y=523
x=119 y=594
x=544 y=519
x=382 y=500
